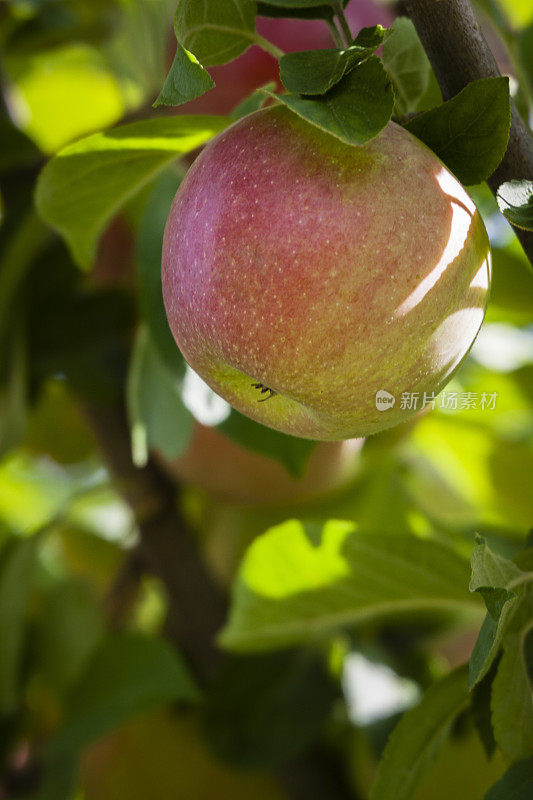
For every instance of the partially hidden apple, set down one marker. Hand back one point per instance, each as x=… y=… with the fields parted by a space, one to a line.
x=323 y=289
x=232 y=473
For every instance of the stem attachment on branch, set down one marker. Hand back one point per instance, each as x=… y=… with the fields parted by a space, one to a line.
x=343 y=22
x=335 y=34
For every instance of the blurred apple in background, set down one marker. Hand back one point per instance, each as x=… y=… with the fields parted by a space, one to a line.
x=239 y=78
x=162 y=756
x=230 y=472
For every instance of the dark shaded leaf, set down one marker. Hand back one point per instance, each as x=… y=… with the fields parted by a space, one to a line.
x=265 y=709
x=216 y=31
x=17 y=574
x=355 y=110
x=157 y=415
x=253 y=102
x=480 y=705
x=470 y=131
x=129 y=675
x=516 y=784
x=418 y=737
x=317 y=71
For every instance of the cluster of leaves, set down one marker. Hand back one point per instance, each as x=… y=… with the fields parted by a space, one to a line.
x=302 y=590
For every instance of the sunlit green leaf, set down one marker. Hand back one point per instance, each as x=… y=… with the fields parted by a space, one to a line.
x=415 y=85
x=301 y=582
x=32 y=491
x=418 y=737
x=515 y=199
x=80 y=189
x=491 y=575
x=67 y=92
x=186 y=80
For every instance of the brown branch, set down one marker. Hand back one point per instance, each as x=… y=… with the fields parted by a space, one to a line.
x=459 y=54
x=167 y=547
x=196 y=607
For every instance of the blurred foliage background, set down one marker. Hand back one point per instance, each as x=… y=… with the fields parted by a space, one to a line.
x=100 y=692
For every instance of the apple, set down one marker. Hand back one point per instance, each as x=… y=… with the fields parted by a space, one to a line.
x=232 y=473
x=255 y=67
x=305 y=279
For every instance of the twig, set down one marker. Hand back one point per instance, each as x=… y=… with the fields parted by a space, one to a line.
x=124 y=591
x=459 y=54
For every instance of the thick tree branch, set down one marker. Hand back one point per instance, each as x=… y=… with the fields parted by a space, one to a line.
x=459 y=54
x=167 y=547
x=197 y=608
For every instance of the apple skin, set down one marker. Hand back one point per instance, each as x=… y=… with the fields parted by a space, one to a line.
x=238 y=79
x=323 y=271
x=231 y=473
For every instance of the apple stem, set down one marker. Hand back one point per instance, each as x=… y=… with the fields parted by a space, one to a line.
x=335 y=34
x=343 y=22
x=267 y=46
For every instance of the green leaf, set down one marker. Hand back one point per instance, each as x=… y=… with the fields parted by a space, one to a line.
x=292 y=452
x=300 y=582
x=263 y=710
x=528 y=656
x=157 y=415
x=69 y=628
x=17 y=573
x=516 y=784
x=317 y=71
x=80 y=190
x=59 y=779
x=470 y=131
x=216 y=31
x=149 y=247
x=418 y=737
x=480 y=707
x=490 y=569
x=491 y=574
x=286 y=8
x=415 y=85
x=512 y=699
x=298 y=3
x=253 y=102
x=186 y=80
x=515 y=199
x=129 y=675
x=355 y=110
